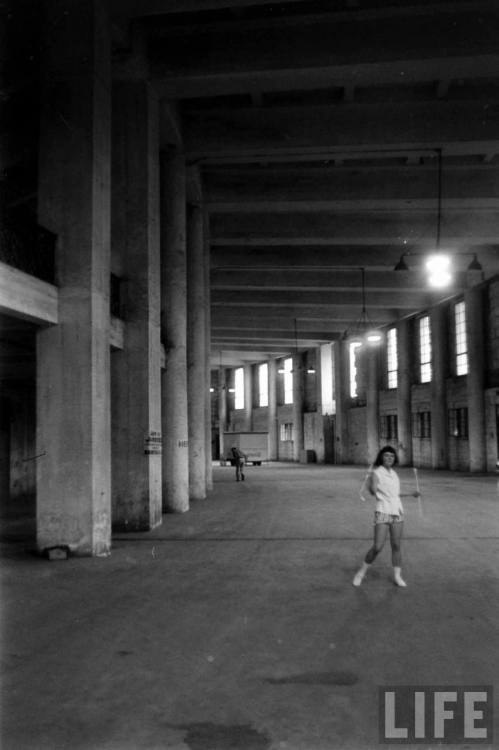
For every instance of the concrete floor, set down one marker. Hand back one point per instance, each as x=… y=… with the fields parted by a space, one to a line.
x=235 y=626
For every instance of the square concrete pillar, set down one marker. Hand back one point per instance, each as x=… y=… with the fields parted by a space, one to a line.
x=207 y=353
x=439 y=447
x=341 y=394
x=298 y=442
x=136 y=370
x=174 y=332
x=272 y=421
x=197 y=387
x=73 y=383
x=404 y=393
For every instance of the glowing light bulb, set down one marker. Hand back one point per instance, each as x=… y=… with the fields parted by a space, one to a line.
x=439 y=270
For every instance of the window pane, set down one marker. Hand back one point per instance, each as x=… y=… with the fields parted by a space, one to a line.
x=239 y=388
x=461 y=346
x=263 y=385
x=353 y=369
x=288 y=381
x=425 y=373
x=391 y=356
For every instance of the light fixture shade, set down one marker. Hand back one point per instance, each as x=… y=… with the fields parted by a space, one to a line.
x=401 y=265
x=364 y=330
x=475 y=264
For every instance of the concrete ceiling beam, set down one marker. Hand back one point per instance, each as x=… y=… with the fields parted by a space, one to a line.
x=274 y=341
x=141 y=8
x=330 y=317
x=352 y=205
x=404 y=299
x=229 y=189
x=325 y=257
x=27 y=297
x=460 y=125
x=334 y=280
x=325 y=41
x=249 y=332
x=403 y=227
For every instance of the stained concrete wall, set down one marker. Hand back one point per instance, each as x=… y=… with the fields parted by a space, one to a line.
x=285 y=448
x=492 y=427
x=19 y=439
x=492 y=322
x=357 y=436
x=313 y=428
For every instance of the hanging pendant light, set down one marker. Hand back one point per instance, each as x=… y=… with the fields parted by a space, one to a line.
x=439 y=264
x=364 y=330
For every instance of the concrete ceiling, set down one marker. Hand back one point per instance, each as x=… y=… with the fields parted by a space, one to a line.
x=315 y=130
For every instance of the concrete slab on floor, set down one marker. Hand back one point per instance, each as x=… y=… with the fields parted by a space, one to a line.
x=236 y=626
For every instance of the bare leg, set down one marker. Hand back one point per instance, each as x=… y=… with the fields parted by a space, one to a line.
x=396 y=530
x=380 y=532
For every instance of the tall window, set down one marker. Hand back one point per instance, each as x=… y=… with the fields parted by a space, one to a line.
x=286 y=431
x=458 y=422
x=460 y=334
x=288 y=380
x=391 y=358
x=421 y=424
x=239 y=388
x=263 y=385
x=424 y=350
x=353 y=368
x=327 y=378
x=388 y=427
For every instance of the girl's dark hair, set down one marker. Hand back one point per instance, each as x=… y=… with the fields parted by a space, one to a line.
x=386 y=449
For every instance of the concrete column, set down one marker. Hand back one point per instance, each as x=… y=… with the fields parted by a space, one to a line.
x=476 y=378
x=197 y=386
x=248 y=398
x=222 y=411
x=340 y=353
x=272 y=411
x=73 y=377
x=4 y=450
x=299 y=438
x=319 y=442
x=136 y=370
x=372 y=402
x=404 y=394
x=207 y=302
x=438 y=391
x=174 y=332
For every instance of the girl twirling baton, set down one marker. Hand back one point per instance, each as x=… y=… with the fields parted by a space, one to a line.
x=384 y=484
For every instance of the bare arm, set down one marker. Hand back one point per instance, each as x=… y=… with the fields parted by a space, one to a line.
x=371 y=484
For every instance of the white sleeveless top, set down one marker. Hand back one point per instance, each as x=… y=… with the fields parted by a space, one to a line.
x=386 y=487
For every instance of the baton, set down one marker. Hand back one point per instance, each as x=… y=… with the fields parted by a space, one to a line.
x=418 y=490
